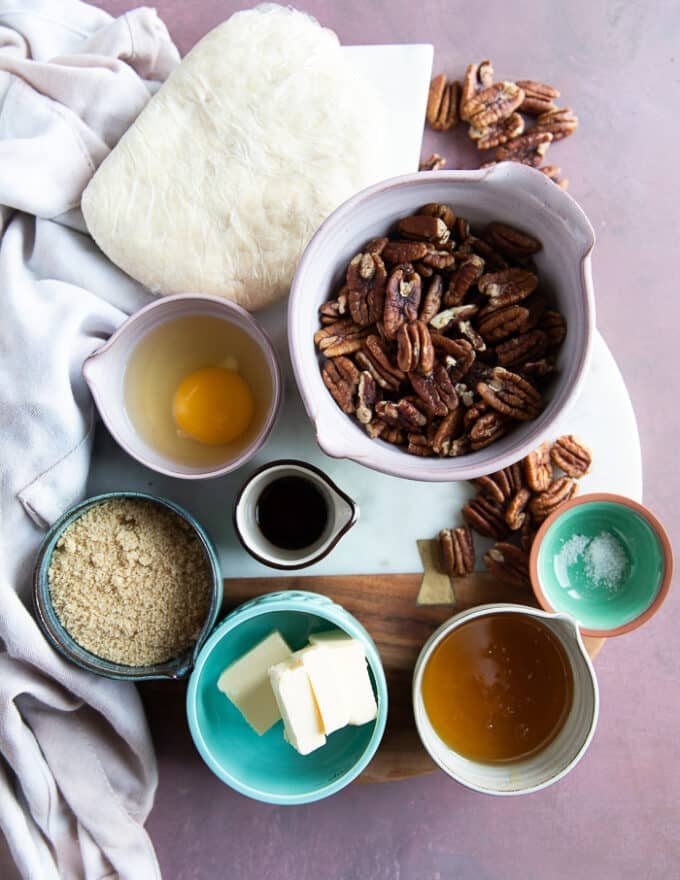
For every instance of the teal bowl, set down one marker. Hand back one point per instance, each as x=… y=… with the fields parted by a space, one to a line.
x=605 y=560
x=61 y=640
x=266 y=768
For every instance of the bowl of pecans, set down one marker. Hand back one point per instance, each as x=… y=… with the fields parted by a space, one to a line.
x=440 y=323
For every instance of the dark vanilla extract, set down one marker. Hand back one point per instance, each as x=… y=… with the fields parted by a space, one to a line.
x=291 y=512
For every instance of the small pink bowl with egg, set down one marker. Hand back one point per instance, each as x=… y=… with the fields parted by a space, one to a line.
x=105 y=373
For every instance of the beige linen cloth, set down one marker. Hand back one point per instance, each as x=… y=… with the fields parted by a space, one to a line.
x=77 y=769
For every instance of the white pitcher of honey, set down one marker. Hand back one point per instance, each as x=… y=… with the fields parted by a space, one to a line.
x=505 y=698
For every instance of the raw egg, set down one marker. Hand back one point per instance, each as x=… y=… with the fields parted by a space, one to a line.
x=213 y=405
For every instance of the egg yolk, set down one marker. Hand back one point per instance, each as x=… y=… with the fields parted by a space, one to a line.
x=213 y=405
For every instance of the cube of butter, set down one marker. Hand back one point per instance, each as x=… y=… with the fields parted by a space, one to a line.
x=246 y=682
x=331 y=699
x=303 y=727
x=348 y=660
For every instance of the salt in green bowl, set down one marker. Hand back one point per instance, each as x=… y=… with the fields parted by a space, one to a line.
x=266 y=767
x=605 y=560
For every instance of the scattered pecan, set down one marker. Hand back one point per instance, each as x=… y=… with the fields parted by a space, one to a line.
x=366 y=279
x=342 y=337
x=434 y=162
x=498 y=133
x=560 y=122
x=415 y=351
x=493 y=103
x=341 y=378
x=571 y=455
x=457 y=551
x=559 y=491
x=507 y=286
x=511 y=242
x=367 y=396
x=402 y=299
x=510 y=394
x=537 y=468
x=509 y=564
x=515 y=514
x=438 y=209
x=486 y=517
x=442 y=103
x=466 y=274
x=432 y=300
x=538 y=97
x=529 y=148
x=495 y=486
x=424 y=227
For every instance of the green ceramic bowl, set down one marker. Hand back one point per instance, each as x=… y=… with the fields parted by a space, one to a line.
x=265 y=767
x=178 y=667
x=605 y=560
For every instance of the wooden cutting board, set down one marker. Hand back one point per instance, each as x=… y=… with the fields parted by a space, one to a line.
x=386 y=605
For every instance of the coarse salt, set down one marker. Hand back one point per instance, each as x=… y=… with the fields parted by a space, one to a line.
x=604 y=560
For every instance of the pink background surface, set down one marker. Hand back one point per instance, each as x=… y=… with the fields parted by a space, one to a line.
x=618 y=814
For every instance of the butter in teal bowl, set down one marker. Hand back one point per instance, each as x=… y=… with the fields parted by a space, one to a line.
x=266 y=768
x=605 y=560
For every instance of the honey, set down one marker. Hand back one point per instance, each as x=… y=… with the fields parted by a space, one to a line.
x=498 y=688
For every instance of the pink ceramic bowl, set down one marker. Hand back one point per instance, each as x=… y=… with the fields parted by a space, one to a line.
x=104 y=372
x=507 y=192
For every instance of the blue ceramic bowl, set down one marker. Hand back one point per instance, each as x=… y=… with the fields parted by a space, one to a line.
x=605 y=560
x=265 y=767
x=59 y=637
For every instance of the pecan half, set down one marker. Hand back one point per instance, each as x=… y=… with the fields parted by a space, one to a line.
x=333 y=309
x=400 y=415
x=527 y=534
x=436 y=390
x=468 y=273
x=571 y=455
x=507 y=286
x=498 y=133
x=415 y=351
x=520 y=349
x=437 y=259
x=342 y=337
x=451 y=317
x=459 y=355
x=488 y=428
x=449 y=427
x=473 y=245
x=500 y=323
x=442 y=103
x=375 y=359
x=466 y=329
x=402 y=299
x=486 y=517
x=476 y=76
x=537 y=468
x=367 y=395
x=529 y=148
x=366 y=278
x=404 y=251
x=424 y=227
x=554 y=326
x=418 y=445
x=432 y=300
x=495 y=486
x=538 y=96
x=493 y=103
x=559 y=491
x=438 y=209
x=510 y=241
x=509 y=564
x=434 y=162
x=510 y=394
x=341 y=378
x=457 y=551
x=560 y=122
x=515 y=512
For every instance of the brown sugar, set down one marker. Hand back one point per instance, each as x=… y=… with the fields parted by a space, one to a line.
x=131 y=582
